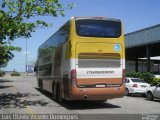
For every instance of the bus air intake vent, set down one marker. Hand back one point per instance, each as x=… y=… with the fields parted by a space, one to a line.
x=95 y=60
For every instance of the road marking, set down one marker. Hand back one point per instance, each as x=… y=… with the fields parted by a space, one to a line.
x=29 y=109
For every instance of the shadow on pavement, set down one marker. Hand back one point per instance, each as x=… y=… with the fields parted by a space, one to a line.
x=3 y=87
x=4 y=80
x=142 y=96
x=18 y=100
x=155 y=100
x=137 y=95
x=80 y=105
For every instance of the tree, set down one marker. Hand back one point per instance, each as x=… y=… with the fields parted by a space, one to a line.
x=6 y=54
x=13 y=16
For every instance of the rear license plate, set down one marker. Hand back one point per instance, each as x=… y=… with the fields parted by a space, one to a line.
x=101 y=86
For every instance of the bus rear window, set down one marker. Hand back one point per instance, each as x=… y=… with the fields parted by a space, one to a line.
x=98 y=28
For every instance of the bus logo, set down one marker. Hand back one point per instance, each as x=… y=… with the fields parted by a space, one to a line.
x=100 y=72
x=116 y=47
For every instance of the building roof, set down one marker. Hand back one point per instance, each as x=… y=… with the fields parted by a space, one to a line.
x=144 y=36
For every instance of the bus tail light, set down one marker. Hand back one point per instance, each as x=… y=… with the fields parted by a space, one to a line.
x=123 y=75
x=73 y=76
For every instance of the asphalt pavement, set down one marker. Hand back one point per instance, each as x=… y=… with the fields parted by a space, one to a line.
x=20 y=95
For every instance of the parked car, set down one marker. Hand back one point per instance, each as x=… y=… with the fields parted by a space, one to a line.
x=135 y=85
x=153 y=92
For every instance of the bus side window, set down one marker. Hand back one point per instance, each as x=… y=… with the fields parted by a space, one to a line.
x=57 y=63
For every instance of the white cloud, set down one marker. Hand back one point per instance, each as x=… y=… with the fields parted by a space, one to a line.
x=26 y=52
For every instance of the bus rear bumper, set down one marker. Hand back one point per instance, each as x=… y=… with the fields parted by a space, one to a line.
x=97 y=93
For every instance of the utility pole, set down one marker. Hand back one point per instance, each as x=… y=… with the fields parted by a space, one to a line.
x=26 y=57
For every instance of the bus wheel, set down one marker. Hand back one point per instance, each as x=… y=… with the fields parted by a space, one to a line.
x=59 y=94
x=41 y=85
x=54 y=91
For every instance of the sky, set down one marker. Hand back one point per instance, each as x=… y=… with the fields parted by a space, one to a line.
x=135 y=15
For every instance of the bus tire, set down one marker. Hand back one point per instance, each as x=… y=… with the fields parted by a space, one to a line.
x=41 y=85
x=59 y=94
x=54 y=91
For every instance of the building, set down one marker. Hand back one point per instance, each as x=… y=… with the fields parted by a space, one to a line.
x=141 y=46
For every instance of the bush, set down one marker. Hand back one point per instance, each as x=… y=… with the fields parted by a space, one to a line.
x=2 y=73
x=14 y=73
x=155 y=81
x=134 y=74
x=146 y=76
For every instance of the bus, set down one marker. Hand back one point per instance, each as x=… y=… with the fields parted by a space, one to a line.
x=84 y=60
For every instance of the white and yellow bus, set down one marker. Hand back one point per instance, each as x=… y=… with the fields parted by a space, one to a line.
x=84 y=60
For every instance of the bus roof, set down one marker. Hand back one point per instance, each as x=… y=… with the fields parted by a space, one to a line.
x=96 y=18
x=87 y=17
